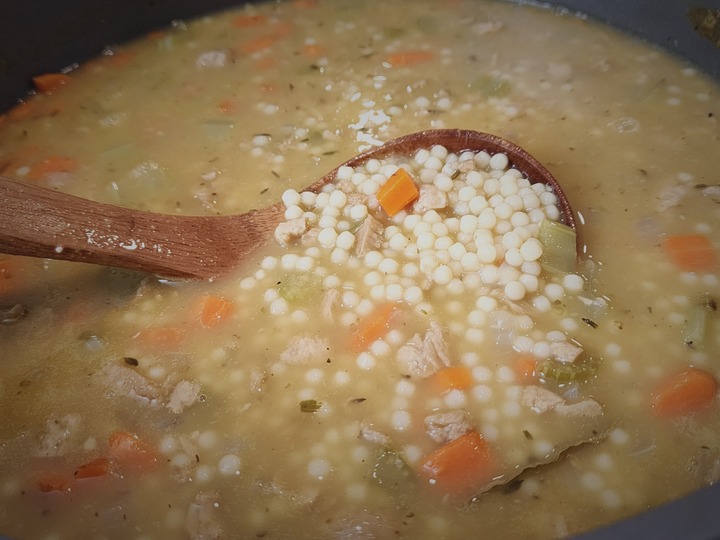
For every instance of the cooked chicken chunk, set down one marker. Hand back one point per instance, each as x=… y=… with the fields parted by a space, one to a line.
x=304 y=350
x=565 y=352
x=431 y=198
x=445 y=427
x=369 y=236
x=288 y=231
x=424 y=356
x=59 y=436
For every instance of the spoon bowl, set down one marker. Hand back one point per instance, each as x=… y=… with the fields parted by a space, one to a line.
x=40 y=222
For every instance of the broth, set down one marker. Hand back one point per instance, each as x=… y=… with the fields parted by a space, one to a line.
x=246 y=407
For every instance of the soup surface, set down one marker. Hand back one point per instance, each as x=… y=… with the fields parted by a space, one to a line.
x=423 y=363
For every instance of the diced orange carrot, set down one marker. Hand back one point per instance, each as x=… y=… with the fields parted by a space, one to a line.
x=50 y=82
x=52 y=164
x=156 y=35
x=399 y=191
x=101 y=466
x=22 y=110
x=524 y=368
x=691 y=252
x=10 y=276
x=282 y=29
x=312 y=50
x=459 y=467
x=684 y=393
x=247 y=21
x=214 y=310
x=131 y=453
x=374 y=326
x=228 y=106
x=160 y=336
x=453 y=378
x=257 y=44
x=53 y=483
x=266 y=62
x=409 y=58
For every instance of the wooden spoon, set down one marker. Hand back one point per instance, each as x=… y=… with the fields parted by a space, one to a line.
x=39 y=222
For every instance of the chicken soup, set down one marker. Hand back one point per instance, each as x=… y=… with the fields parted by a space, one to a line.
x=423 y=348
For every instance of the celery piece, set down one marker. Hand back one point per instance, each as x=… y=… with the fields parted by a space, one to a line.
x=298 y=287
x=490 y=86
x=559 y=246
x=390 y=470
x=695 y=329
x=566 y=372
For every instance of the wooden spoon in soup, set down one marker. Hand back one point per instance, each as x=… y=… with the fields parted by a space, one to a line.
x=39 y=222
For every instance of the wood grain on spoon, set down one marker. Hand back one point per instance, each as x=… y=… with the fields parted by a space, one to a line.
x=39 y=222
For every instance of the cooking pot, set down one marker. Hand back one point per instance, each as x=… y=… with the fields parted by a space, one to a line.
x=42 y=36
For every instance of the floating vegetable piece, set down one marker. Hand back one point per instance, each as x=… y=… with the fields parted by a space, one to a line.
x=695 y=330
x=399 y=191
x=691 y=252
x=684 y=393
x=391 y=471
x=460 y=467
x=310 y=405
x=559 y=246
x=561 y=373
x=299 y=287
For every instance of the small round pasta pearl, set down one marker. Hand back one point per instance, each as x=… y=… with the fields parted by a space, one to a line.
x=515 y=290
x=345 y=240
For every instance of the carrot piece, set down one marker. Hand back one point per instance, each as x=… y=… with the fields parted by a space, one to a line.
x=312 y=50
x=247 y=21
x=524 y=368
x=257 y=44
x=399 y=191
x=50 y=483
x=374 y=326
x=50 y=82
x=160 y=336
x=459 y=467
x=409 y=58
x=52 y=164
x=215 y=309
x=131 y=452
x=691 y=252
x=453 y=378
x=684 y=393
x=92 y=469
x=228 y=106
x=10 y=276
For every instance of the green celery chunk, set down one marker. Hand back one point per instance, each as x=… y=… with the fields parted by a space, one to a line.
x=299 y=287
x=559 y=247
x=390 y=470
x=695 y=330
x=566 y=372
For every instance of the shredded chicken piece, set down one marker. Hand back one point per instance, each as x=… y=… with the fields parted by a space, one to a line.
x=214 y=59
x=310 y=237
x=565 y=352
x=542 y=400
x=304 y=350
x=329 y=301
x=201 y=521
x=369 y=236
x=184 y=394
x=421 y=357
x=446 y=427
x=59 y=436
x=431 y=198
x=288 y=231
x=370 y=434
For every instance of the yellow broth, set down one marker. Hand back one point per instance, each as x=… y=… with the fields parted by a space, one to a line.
x=229 y=112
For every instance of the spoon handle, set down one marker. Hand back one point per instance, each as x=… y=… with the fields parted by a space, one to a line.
x=39 y=222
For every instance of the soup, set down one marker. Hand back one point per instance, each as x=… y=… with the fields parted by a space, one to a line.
x=423 y=364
